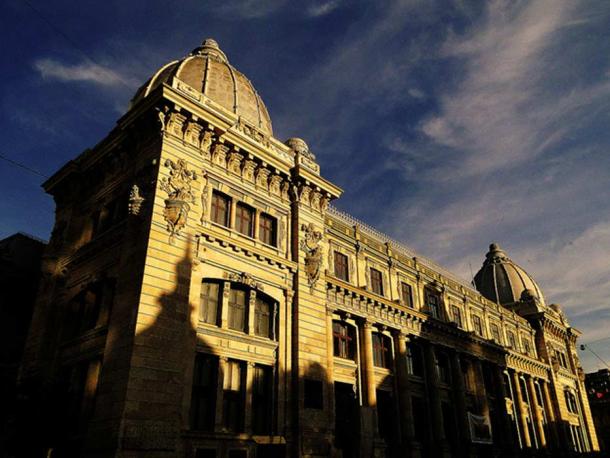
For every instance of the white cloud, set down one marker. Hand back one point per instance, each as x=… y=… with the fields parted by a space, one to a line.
x=323 y=8
x=87 y=71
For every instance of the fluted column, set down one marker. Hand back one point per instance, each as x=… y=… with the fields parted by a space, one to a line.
x=508 y=440
x=520 y=408
x=459 y=389
x=535 y=408
x=434 y=402
x=404 y=390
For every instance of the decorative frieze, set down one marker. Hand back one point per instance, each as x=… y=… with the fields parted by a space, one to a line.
x=234 y=163
x=219 y=155
x=244 y=278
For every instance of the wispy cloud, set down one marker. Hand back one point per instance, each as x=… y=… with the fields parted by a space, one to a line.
x=323 y=8
x=86 y=71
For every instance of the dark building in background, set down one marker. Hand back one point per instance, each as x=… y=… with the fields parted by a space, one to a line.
x=598 y=390
x=20 y=256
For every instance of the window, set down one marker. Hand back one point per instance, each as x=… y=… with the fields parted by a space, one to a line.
x=570 y=401
x=442 y=367
x=263 y=318
x=466 y=366
x=341 y=268
x=477 y=325
x=203 y=395
x=562 y=359
x=261 y=399
x=526 y=346
x=376 y=281
x=415 y=360
x=495 y=333
x=267 y=229
x=456 y=313
x=209 y=301
x=313 y=399
x=343 y=340
x=244 y=219
x=221 y=205
x=233 y=396
x=237 y=309
x=433 y=303
x=382 y=352
x=89 y=309
x=405 y=294
x=512 y=341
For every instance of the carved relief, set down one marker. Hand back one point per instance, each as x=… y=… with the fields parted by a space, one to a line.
x=162 y=115
x=282 y=234
x=305 y=194
x=245 y=278
x=206 y=144
x=135 y=201
x=285 y=190
x=176 y=123
x=310 y=244
x=262 y=176
x=315 y=200
x=192 y=132
x=324 y=202
x=179 y=188
x=274 y=185
x=234 y=164
x=248 y=170
x=219 y=155
x=204 y=197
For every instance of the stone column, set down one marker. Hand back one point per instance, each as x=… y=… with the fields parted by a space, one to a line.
x=520 y=410
x=224 y=308
x=330 y=366
x=369 y=410
x=439 y=445
x=460 y=401
x=535 y=408
x=404 y=391
x=251 y=311
x=508 y=440
x=482 y=401
x=248 y=404
x=222 y=368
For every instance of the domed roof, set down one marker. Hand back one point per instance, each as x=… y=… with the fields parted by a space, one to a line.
x=207 y=69
x=504 y=282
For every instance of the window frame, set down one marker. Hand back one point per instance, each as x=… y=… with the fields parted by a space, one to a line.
x=477 y=325
x=271 y=239
x=216 y=212
x=344 y=340
x=204 y=283
x=337 y=255
x=233 y=306
x=242 y=209
x=376 y=277
x=382 y=350
x=434 y=309
x=407 y=299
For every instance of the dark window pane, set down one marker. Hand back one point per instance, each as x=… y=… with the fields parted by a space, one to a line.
x=261 y=399
x=221 y=205
x=244 y=219
x=267 y=229
x=263 y=318
x=341 y=267
x=406 y=294
x=237 y=309
x=313 y=394
x=376 y=281
x=381 y=350
x=233 y=396
x=203 y=397
x=343 y=340
x=209 y=302
x=433 y=303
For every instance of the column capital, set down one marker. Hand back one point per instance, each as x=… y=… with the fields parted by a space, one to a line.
x=367 y=323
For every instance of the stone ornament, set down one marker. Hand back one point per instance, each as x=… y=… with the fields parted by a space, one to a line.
x=219 y=155
x=234 y=164
x=206 y=144
x=192 y=133
x=310 y=244
x=204 y=196
x=135 y=201
x=179 y=187
x=246 y=279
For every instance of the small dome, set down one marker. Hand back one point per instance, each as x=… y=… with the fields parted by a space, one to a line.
x=504 y=282
x=207 y=70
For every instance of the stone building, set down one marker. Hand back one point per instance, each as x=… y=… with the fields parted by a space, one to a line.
x=202 y=299
x=598 y=390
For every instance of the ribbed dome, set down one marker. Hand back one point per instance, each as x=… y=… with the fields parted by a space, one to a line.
x=502 y=281
x=207 y=70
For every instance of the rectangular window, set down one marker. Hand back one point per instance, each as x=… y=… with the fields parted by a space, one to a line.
x=221 y=207
x=341 y=267
x=477 y=325
x=415 y=361
x=263 y=318
x=209 y=302
x=203 y=395
x=237 y=309
x=406 y=294
x=382 y=356
x=244 y=219
x=495 y=333
x=376 y=281
x=512 y=341
x=526 y=346
x=261 y=399
x=442 y=368
x=433 y=303
x=456 y=314
x=267 y=229
x=233 y=396
x=343 y=340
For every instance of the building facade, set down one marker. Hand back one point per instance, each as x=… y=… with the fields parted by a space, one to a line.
x=201 y=298
x=598 y=391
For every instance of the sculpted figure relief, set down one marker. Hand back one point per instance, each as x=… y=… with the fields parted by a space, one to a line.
x=179 y=188
x=135 y=200
x=206 y=144
x=204 y=197
x=310 y=244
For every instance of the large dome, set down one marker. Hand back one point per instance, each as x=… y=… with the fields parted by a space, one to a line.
x=207 y=70
x=504 y=282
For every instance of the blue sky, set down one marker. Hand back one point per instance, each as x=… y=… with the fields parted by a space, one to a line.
x=470 y=121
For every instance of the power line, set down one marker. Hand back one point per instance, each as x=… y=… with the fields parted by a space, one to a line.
x=23 y=166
